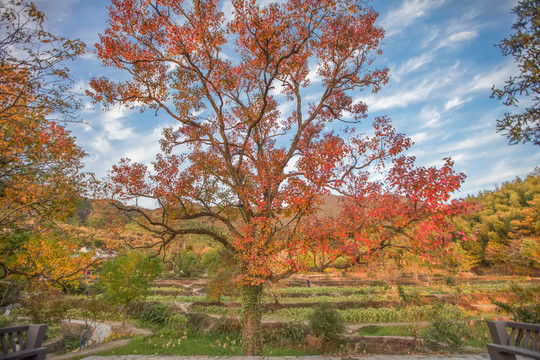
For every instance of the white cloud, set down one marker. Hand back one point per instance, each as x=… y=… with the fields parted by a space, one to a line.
x=313 y=77
x=228 y=10
x=411 y=65
x=100 y=144
x=456 y=101
x=462 y=36
x=455 y=38
x=397 y=20
x=419 y=137
x=495 y=77
x=114 y=126
x=277 y=89
x=430 y=117
x=475 y=140
x=461 y=158
x=402 y=98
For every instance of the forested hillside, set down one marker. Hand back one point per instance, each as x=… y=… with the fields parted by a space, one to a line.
x=506 y=226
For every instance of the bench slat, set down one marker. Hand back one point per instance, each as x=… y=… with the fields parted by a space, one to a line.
x=20 y=339
x=514 y=350
x=526 y=340
x=512 y=337
x=4 y=344
x=12 y=343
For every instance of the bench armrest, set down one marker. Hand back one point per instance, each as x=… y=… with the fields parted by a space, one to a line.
x=35 y=336
x=37 y=354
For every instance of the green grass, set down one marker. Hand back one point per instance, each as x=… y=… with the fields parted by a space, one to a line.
x=180 y=344
x=168 y=299
x=374 y=315
x=477 y=334
x=377 y=330
x=189 y=344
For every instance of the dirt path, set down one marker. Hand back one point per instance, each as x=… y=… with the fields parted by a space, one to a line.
x=114 y=326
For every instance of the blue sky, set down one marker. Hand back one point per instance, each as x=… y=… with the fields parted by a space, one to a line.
x=442 y=66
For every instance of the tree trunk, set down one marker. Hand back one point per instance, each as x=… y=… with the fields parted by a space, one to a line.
x=251 y=320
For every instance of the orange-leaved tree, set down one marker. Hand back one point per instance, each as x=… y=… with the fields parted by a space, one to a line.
x=40 y=164
x=266 y=126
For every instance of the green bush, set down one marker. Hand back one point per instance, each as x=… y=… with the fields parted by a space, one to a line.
x=228 y=326
x=190 y=264
x=450 y=280
x=522 y=313
x=294 y=331
x=155 y=314
x=45 y=308
x=199 y=322
x=326 y=322
x=525 y=308
x=407 y=297
x=275 y=334
x=210 y=261
x=446 y=331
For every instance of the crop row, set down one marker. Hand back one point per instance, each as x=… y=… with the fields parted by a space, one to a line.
x=357 y=316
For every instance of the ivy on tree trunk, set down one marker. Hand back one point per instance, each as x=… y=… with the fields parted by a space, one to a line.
x=251 y=319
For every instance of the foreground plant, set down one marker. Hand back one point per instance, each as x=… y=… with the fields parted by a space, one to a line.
x=252 y=155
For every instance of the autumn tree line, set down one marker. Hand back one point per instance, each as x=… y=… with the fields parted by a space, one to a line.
x=234 y=171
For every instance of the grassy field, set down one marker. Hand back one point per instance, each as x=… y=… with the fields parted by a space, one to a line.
x=440 y=313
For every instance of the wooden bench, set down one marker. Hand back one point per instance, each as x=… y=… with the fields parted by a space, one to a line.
x=23 y=342
x=513 y=338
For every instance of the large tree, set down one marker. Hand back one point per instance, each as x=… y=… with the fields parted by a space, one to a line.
x=40 y=164
x=524 y=46
x=241 y=169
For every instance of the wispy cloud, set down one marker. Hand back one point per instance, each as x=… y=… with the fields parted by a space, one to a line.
x=419 y=137
x=405 y=95
x=411 y=65
x=399 y=19
x=475 y=140
x=430 y=117
x=113 y=125
x=455 y=102
x=454 y=39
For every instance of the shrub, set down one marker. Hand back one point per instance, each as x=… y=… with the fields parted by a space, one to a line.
x=295 y=332
x=522 y=313
x=279 y=333
x=45 y=308
x=326 y=322
x=199 y=322
x=190 y=264
x=526 y=308
x=406 y=297
x=228 y=326
x=450 y=280
x=380 y=283
x=446 y=331
x=155 y=314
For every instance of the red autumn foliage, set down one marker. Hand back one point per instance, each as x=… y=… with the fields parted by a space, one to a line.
x=244 y=171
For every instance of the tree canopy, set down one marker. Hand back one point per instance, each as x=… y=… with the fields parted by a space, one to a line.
x=506 y=225
x=40 y=165
x=524 y=46
x=241 y=169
